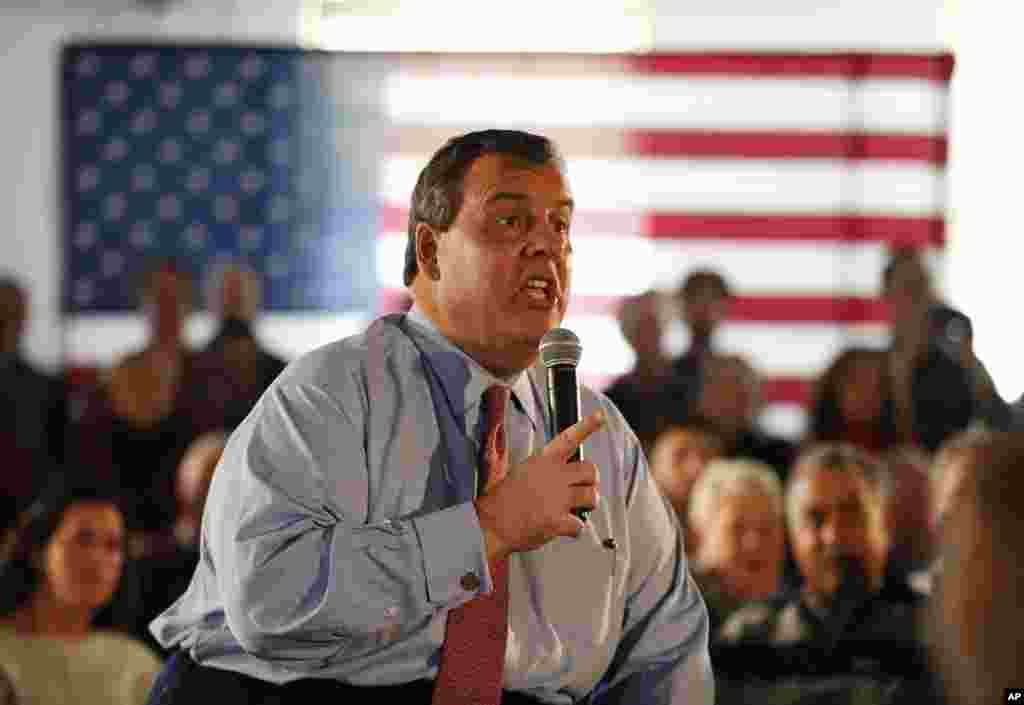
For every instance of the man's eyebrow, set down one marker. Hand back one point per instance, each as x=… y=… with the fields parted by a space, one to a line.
x=516 y=196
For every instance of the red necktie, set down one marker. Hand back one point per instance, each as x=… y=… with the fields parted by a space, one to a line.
x=473 y=653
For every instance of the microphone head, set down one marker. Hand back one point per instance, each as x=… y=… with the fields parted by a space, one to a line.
x=560 y=346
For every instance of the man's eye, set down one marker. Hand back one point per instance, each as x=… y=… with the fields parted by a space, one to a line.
x=508 y=221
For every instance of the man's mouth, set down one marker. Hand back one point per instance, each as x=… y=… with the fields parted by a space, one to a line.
x=541 y=290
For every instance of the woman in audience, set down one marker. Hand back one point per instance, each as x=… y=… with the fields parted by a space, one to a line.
x=62 y=567
x=678 y=458
x=848 y=402
x=736 y=523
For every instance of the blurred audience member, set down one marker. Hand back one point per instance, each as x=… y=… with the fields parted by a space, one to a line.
x=165 y=570
x=929 y=393
x=234 y=368
x=678 y=458
x=144 y=417
x=977 y=614
x=848 y=402
x=65 y=565
x=953 y=333
x=844 y=609
x=738 y=536
x=906 y=494
x=32 y=409
x=957 y=457
x=649 y=395
x=729 y=398
x=703 y=301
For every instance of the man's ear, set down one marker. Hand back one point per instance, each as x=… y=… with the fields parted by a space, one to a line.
x=426 y=251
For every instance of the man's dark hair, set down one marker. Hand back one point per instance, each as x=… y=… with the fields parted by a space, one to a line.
x=703 y=279
x=900 y=257
x=437 y=198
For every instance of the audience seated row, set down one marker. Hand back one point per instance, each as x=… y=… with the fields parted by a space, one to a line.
x=816 y=560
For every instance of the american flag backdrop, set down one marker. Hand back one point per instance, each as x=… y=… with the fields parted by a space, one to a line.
x=791 y=174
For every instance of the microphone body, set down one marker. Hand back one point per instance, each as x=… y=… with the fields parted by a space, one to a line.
x=560 y=352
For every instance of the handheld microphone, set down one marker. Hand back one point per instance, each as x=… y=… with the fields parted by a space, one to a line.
x=560 y=352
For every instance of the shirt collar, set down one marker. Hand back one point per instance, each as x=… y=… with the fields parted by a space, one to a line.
x=463 y=378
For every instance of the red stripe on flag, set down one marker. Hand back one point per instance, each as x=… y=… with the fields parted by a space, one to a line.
x=896 y=230
x=786 y=145
x=930 y=67
x=786 y=390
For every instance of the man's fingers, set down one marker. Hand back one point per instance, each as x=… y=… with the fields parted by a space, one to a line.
x=582 y=474
x=584 y=497
x=570 y=526
x=565 y=443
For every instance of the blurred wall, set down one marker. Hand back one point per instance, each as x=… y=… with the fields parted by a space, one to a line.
x=31 y=35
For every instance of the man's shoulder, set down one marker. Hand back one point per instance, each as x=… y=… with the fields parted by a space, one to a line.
x=591 y=400
x=380 y=346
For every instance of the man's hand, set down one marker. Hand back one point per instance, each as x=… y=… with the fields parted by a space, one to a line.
x=533 y=503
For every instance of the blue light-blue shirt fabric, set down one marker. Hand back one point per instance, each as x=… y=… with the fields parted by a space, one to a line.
x=339 y=529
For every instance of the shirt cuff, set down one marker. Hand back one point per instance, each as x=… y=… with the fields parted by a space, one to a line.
x=454 y=554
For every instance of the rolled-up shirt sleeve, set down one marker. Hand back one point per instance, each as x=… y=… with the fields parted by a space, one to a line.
x=663 y=655
x=304 y=578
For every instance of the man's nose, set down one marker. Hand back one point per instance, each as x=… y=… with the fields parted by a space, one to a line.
x=751 y=542
x=547 y=236
x=830 y=534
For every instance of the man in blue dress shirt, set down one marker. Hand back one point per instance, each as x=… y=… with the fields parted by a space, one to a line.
x=345 y=519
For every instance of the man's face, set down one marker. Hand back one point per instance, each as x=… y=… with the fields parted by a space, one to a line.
x=908 y=293
x=166 y=302
x=727 y=396
x=703 y=309
x=678 y=459
x=503 y=270
x=236 y=295
x=745 y=545
x=833 y=520
x=645 y=331
x=861 y=391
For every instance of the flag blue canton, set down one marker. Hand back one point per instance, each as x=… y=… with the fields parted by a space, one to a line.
x=210 y=154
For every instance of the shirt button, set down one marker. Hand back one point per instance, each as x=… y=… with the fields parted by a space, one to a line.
x=470 y=582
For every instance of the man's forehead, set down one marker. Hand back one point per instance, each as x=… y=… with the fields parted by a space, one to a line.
x=499 y=173
x=825 y=487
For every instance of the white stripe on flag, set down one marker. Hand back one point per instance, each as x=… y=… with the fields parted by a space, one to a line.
x=636 y=101
x=611 y=265
x=730 y=186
